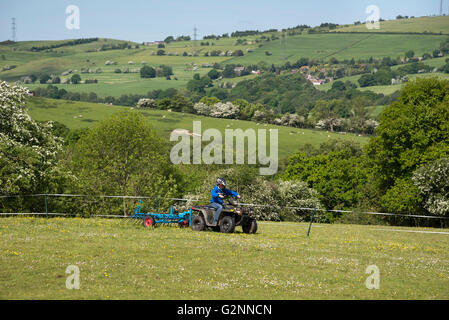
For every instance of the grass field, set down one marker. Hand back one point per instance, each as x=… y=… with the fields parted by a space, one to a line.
x=386 y=90
x=121 y=260
x=341 y=46
x=83 y=114
x=421 y=25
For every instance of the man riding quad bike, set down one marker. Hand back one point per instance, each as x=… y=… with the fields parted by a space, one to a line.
x=223 y=217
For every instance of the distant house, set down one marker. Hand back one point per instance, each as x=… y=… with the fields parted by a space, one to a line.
x=315 y=81
x=238 y=70
x=152 y=43
x=399 y=80
x=256 y=72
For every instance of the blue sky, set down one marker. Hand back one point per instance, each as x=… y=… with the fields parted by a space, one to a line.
x=140 y=20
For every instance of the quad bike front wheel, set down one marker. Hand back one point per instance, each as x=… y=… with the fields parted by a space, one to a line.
x=227 y=224
x=250 y=227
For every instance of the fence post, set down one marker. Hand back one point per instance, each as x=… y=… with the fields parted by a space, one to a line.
x=46 y=205
x=157 y=205
x=311 y=221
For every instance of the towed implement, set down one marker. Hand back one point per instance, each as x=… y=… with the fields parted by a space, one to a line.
x=183 y=219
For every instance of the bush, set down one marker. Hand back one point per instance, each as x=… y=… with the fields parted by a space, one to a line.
x=433 y=184
x=402 y=198
x=267 y=195
x=297 y=194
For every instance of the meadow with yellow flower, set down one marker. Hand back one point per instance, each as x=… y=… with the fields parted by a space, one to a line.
x=121 y=260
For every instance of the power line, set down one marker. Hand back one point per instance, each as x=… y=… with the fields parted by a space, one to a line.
x=14 y=29
x=242 y=204
x=283 y=44
x=195 y=37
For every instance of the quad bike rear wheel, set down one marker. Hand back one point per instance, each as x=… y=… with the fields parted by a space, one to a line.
x=198 y=223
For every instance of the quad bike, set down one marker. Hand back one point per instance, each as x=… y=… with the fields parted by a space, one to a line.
x=231 y=216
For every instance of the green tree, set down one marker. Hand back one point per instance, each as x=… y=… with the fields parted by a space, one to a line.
x=445 y=68
x=147 y=72
x=75 y=79
x=44 y=78
x=169 y=39
x=412 y=131
x=214 y=74
x=247 y=109
x=198 y=85
x=383 y=76
x=339 y=86
x=402 y=198
x=180 y=103
x=336 y=171
x=123 y=155
x=367 y=80
x=228 y=71
x=210 y=101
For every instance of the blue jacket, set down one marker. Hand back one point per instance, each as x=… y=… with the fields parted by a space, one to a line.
x=217 y=191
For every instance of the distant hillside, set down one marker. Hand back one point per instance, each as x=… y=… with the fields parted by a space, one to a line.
x=77 y=115
x=412 y=25
x=114 y=65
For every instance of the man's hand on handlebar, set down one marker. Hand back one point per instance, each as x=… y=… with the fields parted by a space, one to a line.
x=222 y=196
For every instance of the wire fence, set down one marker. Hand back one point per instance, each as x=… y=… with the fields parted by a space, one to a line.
x=117 y=206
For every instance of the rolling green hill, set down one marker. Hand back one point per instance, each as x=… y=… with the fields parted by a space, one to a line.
x=341 y=46
x=418 y=25
x=83 y=115
x=187 y=57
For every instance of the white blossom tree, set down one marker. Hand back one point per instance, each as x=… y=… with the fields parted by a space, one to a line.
x=146 y=103
x=297 y=194
x=28 y=150
x=225 y=110
x=202 y=109
x=432 y=181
